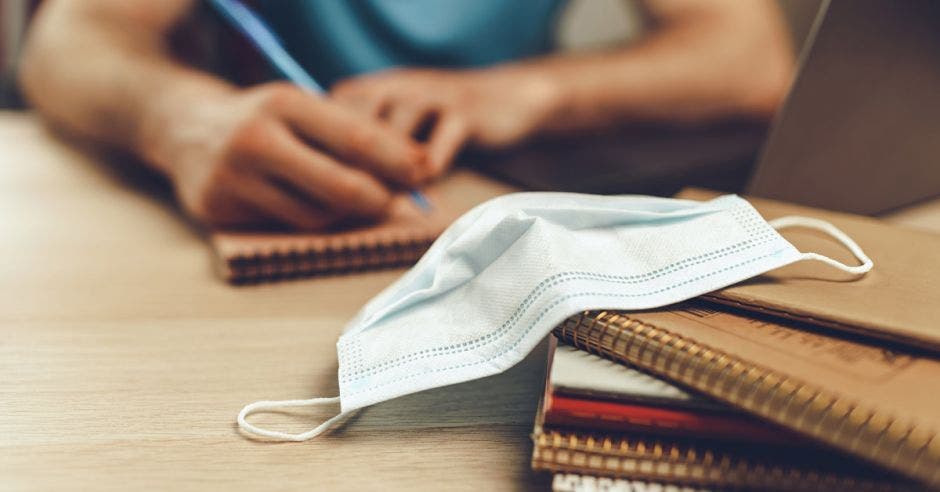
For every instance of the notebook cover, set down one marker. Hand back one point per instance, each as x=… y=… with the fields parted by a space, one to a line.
x=400 y=240
x=700 y=462
x=869 y=400
x=581 y=374
x=896 y=301
x=582 y=413
x=587 y=391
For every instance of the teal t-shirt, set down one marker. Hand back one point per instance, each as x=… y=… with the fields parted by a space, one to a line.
x=335 y=39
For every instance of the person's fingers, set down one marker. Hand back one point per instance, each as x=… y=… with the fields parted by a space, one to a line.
x=223 y=208
x=367 y=101
x=279 y=204
x=402 y=110
x=357 y=139
x=241 y=214
x=375 y=107
x=449 y=135
x=407 y=117
x=340 y=188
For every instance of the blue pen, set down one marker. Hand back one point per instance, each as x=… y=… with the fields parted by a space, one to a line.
x=262 y=37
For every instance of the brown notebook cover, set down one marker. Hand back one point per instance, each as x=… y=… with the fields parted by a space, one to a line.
x=400 y=240
x=865 y=399
x=897 y=300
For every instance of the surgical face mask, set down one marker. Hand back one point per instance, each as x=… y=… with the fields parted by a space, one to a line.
x=507 y=272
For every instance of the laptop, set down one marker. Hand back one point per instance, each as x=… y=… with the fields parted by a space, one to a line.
x=858 y=132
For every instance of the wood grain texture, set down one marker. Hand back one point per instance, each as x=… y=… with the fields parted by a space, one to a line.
x=124 y=358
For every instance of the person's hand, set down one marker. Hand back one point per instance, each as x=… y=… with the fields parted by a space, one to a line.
x=277 y=153
x=489 y=108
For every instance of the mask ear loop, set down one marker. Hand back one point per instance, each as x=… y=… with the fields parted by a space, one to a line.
x=261 y=406
x=835 y=233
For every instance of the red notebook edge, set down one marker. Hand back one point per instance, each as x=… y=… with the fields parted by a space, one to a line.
x=599 y=414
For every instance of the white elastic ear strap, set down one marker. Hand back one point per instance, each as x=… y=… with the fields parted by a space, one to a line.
x=831 y=230
x=260 y=406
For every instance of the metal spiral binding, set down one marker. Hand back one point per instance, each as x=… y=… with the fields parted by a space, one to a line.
x=341 y=257
x=642 y=458
x=793 y=403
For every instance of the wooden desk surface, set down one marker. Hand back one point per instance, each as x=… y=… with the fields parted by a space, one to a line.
x=124 y=360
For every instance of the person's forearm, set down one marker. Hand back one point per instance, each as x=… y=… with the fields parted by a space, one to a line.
x=107 y=82
x=697 y=66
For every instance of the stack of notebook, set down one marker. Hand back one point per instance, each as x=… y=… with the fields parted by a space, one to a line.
x=787 y=382
x=797 y=380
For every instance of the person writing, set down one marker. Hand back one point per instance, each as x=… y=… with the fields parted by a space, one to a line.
x=461 y=73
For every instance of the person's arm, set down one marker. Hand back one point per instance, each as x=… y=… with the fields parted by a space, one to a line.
x=705 y=59
x=102 y=70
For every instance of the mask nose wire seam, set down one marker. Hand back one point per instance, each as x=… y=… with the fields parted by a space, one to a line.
x=265 y=405
x=834 y=232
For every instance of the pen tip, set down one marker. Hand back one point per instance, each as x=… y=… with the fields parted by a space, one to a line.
x=420 y=200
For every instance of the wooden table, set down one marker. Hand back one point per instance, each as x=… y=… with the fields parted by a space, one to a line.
x=124 y=360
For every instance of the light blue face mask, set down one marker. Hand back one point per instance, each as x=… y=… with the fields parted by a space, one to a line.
x=507 y=272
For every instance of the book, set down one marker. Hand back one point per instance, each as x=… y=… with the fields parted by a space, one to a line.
x=586 y=391
x=399 y=240
x=700 y=462
x=576 y=373
x=896 y=301
x=617 y=416
x=869 y=400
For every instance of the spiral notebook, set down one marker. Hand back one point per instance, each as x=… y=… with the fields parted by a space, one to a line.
x=872 y=401
x=702 y=463
x=691 y=461
x=400 y=240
